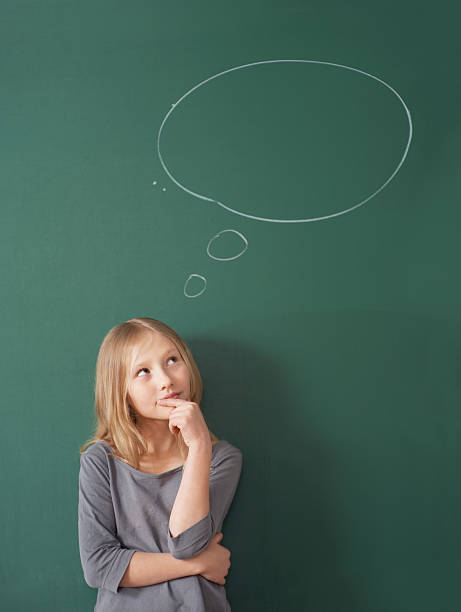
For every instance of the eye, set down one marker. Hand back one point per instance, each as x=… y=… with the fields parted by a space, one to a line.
x=170 y=357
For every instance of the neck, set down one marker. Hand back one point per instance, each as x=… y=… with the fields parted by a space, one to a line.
x=161 y=442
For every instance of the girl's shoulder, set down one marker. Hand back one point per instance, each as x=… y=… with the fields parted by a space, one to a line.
x=225 y=445
x=224 y=450
x=97 y=450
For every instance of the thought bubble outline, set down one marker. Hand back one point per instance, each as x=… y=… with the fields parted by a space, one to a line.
x=271 y=220
x=187 y=281
x=227 y=258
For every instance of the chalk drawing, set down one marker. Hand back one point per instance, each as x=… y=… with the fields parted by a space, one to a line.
x=266 y=219
x=271 y=220
x=227 y=258
x=187 y=282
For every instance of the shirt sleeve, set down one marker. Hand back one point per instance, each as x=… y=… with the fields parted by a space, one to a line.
x=103 y=558
x=225 y=473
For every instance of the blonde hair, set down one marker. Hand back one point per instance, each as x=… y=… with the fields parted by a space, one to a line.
x=115 y=419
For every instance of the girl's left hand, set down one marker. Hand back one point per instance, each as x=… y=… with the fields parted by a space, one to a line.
x=186 y=416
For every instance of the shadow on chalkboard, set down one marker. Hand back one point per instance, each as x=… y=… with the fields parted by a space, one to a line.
x=343 y=467
x=281 y=525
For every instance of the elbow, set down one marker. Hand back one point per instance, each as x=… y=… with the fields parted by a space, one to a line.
x=192 y=541
x=104 y=567
x=91 y=577
x=190 y=551
x=93 y=569
x=90 y=565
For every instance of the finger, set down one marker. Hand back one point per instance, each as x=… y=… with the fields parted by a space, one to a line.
x=175 y=413
x=173 y=421
x=171 y=401
x=174 y=425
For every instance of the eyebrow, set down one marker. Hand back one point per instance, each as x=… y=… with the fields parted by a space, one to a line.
x=170 y=350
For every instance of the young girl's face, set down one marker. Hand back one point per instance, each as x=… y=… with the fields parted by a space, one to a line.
x=158 y=371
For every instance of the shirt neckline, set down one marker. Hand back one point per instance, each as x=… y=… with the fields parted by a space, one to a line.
x=148 y=474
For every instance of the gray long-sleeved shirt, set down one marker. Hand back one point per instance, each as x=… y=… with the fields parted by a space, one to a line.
x=122 y=510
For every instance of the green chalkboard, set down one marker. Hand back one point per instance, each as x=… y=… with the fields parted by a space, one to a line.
x=278 y=182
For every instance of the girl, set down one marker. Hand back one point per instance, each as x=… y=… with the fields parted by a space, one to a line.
x=156 y=484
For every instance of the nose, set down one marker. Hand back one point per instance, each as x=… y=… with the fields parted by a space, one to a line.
x=162 y=380
x=166 y=384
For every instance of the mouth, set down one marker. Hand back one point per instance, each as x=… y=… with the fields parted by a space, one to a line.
x=171 y=395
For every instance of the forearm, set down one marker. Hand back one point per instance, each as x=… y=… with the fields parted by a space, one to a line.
x=150 y=568
x=192 y=501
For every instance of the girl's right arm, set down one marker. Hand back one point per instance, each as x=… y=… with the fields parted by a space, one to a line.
x=144 y=569
x=150 y=568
